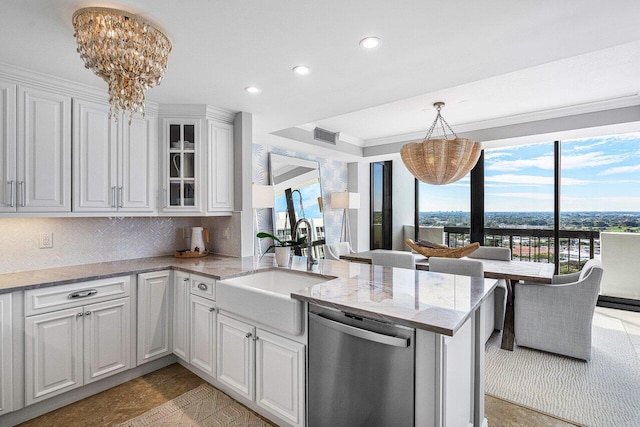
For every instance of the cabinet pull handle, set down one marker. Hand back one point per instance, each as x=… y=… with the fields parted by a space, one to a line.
x=82 y=294
x=113 y=196
x=80 y=314
x=87 y=313
x=22 y=193
x=164 y=198
x=202 y=286
x=212 y=309
x=249 y=334
x=186 y=279
x=11 y=193
x=120 y=191
x=256 y=338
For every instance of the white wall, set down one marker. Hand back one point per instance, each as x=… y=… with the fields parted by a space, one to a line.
x=359 y=181
x=619 y=254
x=403 y=196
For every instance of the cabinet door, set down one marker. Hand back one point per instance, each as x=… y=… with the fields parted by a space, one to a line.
x=95 y=139
x=236 y=353
x=280 y=372
x=220 y=168
x=6 y=354
x=203 y=334
x=181 y=287
x=44 y=151
x=53 y=353
x=154 y=317
x=107 y=339
x=182 y=180
x=137 y=154
x=8 y=197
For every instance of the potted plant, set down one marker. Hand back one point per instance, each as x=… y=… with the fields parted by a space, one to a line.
x=282 y=248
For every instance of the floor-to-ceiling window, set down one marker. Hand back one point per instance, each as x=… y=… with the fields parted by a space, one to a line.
x=519 y=200
x=444 y=212
x=600 y=192
x=381 y=207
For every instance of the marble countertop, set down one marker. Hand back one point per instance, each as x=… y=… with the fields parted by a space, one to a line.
x=435 y=302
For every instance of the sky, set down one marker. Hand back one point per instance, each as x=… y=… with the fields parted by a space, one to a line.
x=598 y=174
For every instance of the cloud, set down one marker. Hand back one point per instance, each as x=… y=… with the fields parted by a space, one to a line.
x=585 y=147
x=620 y=169
x=536 y=196
x=532 y=180
x=541 y=162
x=591 y=160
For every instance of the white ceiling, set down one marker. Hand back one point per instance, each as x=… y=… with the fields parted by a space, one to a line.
x=505 y=58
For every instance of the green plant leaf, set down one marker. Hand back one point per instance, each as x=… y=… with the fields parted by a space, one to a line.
x=263 y=235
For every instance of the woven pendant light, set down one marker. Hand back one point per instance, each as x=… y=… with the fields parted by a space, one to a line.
x=440 y=161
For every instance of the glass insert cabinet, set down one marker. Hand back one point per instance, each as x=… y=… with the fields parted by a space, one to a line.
x=182 y=152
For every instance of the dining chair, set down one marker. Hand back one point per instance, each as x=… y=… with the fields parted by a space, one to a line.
x=500 y=293
x=334 y=251
x=472 y=268
x=558 y=317
x=400 y=259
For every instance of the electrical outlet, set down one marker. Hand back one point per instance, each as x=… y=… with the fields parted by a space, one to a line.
x=46 y=240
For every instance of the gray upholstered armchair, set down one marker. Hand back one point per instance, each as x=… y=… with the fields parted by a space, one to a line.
x=557 y=318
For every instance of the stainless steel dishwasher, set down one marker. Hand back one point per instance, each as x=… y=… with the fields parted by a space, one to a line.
x=361 y=371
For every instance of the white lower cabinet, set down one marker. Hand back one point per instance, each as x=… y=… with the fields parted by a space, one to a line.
x=280 y=371
x=181 y=288
x=6 y=354
x=264 y=367
x=107 y=339
x=154 y=315
x=203 y=334
x=236 y=355
x=66 y=349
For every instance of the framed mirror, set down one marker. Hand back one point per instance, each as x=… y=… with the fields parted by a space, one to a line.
x=298 y=194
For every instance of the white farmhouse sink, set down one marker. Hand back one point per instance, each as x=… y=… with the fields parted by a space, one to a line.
x=264 y=296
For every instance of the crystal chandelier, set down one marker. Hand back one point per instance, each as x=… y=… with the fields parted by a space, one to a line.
x=127 y=51
x=440 y=161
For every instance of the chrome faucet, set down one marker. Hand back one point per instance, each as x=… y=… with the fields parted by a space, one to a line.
x=310 y=259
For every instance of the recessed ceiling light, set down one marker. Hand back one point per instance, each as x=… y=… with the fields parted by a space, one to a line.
x=303 y=70
x=252 y=89
x=370 y=42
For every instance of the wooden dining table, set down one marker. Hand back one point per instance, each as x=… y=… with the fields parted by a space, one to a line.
x=511 y=271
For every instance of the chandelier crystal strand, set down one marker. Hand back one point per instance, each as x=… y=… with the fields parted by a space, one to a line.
x=126 y=51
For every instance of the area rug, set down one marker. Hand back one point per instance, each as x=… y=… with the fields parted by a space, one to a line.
x=602 y=392
x=202 y=406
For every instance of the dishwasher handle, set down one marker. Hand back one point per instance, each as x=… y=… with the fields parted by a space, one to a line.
x=361 y=333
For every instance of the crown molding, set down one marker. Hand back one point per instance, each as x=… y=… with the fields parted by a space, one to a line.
x=198 y=111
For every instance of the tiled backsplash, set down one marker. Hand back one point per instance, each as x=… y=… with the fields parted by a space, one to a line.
x=88 y=240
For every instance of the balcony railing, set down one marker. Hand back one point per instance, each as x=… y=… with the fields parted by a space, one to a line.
x=536 y=245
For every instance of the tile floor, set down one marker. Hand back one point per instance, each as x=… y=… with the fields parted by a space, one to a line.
x=135 y=397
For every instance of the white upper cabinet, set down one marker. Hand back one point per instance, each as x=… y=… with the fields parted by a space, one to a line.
x=181 y=177
x=95 y=143
x=35 y=168
x=8 y=178
x=113 y=162
x=44 y=151
x=220 y=168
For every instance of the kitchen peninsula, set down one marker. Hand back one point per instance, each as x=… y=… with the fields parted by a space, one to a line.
x=443 y=309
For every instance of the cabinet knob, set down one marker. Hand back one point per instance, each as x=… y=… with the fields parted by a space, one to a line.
x=80 y=314
x=256 y=338
x=87 y=313
x=186 y=279
x=249 y=334
x=202 y=286
x=212 y=309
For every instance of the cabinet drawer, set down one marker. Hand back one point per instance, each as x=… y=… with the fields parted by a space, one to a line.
x=203 y=286
x=45 y=300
